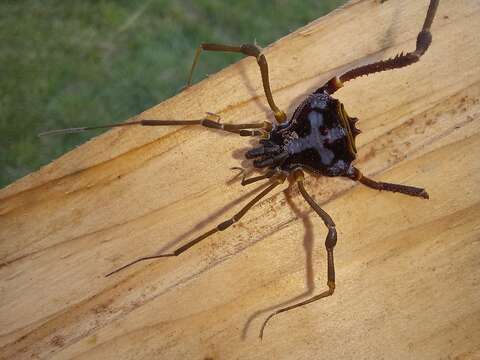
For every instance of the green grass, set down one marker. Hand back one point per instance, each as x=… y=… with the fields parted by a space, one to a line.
x=80 y=63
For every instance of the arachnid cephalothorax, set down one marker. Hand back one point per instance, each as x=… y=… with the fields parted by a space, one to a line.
x=319 y=138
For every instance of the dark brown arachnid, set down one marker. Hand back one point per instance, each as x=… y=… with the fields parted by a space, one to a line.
x=319 y=138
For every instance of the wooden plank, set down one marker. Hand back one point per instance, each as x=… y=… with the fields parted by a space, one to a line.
x=407 y=269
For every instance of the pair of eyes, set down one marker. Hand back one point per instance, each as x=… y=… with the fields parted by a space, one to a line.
x=336 y=132
x=324 y=131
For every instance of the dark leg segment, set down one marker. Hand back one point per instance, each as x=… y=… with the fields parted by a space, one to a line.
x=209 y=121
x=220 y=227
x=249 y=50
x=275 y=160
x=263 y=151
x=330 y=243
x=378 y=185
x=254 y=179
x=424 y=39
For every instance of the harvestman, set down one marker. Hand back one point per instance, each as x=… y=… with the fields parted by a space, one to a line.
x=319 y=138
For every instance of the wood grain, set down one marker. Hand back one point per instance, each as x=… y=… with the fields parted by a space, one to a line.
x=407 y=269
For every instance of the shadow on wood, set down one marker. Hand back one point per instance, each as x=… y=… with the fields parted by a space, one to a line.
x=407 y=270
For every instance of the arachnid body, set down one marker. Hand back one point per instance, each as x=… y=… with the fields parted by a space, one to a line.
x=319 y=138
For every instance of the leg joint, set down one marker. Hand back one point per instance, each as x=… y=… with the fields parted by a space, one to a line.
x=251 y=50
x=331 y=287
x=331 y=239
x=356 y=175
x=224 y=225
x=280 y=116
x=424 y=39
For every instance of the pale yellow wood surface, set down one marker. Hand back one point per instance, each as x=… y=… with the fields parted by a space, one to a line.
x=408 y=270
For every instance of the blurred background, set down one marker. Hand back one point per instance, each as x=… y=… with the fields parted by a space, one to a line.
x=81 y=63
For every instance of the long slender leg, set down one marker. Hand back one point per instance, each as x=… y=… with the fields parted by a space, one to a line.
x=249 y=50
x=220 y=227
x=254 y=179
x=330 y=243
x=209 y=121
x=378 y=185
x=424 y=39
